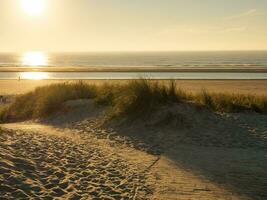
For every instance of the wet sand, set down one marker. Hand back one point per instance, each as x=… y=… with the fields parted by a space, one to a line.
x=236 y=68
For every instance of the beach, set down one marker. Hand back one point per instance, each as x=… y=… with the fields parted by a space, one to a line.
x=12 y=87
x=182 y=151
x=133 y=100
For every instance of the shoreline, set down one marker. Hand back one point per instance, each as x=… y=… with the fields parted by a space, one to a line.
x=106 y=79
x=67 y=75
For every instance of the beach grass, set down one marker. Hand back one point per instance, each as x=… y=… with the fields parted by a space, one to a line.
x=140 y=97
x=45 y=100
x=133 y=98
x=225 y=102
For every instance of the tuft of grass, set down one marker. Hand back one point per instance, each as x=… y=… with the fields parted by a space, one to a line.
x=135 y=98
x=224 y=102
x=143 y=96
x=106 y=93
x=44 y=101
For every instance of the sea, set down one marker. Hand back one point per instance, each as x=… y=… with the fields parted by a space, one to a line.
x=236 y=65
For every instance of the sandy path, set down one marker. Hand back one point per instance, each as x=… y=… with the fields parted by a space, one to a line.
x=36 y=165
x=87 y=162
x=185 y=172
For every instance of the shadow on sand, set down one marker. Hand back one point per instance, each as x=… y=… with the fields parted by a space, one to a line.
x=228 y=150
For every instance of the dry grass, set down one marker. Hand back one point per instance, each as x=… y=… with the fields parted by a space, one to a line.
x=134 y=98
x=225 y=102
x=46 y=100
x=142 y=96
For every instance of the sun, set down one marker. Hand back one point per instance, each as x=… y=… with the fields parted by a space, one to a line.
x=33 y=7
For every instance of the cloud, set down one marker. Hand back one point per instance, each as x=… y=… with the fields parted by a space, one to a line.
x=241 y=15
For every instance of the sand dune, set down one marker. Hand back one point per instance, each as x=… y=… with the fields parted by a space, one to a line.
x=77 y=156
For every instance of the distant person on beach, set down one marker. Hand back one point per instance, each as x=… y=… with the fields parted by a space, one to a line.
x=1 y=99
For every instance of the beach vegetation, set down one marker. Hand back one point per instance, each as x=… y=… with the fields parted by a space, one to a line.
x=44 y=101
x=134 y=98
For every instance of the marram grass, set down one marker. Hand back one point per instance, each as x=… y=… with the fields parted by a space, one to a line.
x=133 y=98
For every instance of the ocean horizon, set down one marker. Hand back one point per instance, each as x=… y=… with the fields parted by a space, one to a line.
x=191 y=60
x=133 y=65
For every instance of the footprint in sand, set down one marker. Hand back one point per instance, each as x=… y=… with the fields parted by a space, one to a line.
x=38 y=166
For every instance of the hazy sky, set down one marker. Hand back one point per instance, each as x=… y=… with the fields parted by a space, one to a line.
x=134 y=25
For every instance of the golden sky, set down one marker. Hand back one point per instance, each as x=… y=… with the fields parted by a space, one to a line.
x=132 y=25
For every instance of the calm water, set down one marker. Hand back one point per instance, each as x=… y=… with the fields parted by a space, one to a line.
x=158 y=59
x=187 y=60
x=130 y=75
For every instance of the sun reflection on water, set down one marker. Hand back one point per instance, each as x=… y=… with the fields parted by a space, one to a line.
x=34 y=75
x=34 y=59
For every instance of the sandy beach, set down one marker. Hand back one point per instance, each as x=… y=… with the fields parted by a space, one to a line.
x=41 y=162
x=77 y=156
x=11 y=87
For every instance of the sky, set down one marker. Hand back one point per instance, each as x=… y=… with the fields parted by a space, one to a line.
x=132 y=25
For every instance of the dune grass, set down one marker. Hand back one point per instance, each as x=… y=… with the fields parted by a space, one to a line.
x=133 y=98
x=46 y=100
x=139 y=97
x=224 y=102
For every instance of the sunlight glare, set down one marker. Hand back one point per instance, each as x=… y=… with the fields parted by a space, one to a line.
x=33 y=7
x=34 y=75
x=34 y=59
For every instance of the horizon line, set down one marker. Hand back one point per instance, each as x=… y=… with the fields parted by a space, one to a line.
x=132 y=51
